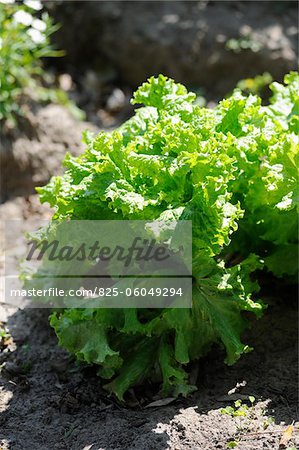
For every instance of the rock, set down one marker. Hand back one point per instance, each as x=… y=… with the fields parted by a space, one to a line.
x=65 y=82
x=116 y=101
x=32 y=152
x=203 y=43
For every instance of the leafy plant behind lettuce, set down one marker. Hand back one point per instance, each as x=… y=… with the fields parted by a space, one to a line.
x=175 y=159
x=267 y=186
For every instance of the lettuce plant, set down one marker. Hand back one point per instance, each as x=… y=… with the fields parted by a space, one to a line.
x=233 y=166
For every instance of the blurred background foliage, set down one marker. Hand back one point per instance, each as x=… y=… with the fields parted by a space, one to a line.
x=25 y=40
x=87 y=57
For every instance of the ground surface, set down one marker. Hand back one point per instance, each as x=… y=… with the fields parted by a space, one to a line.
x=49 y=402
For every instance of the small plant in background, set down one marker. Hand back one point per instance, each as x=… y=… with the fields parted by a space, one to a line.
x=243 y=413
x=239 y=409
x=267 y=422
x=5 y=337
x=24 y=42
x=232 y=444
x=243 y=43
x=255 y=85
